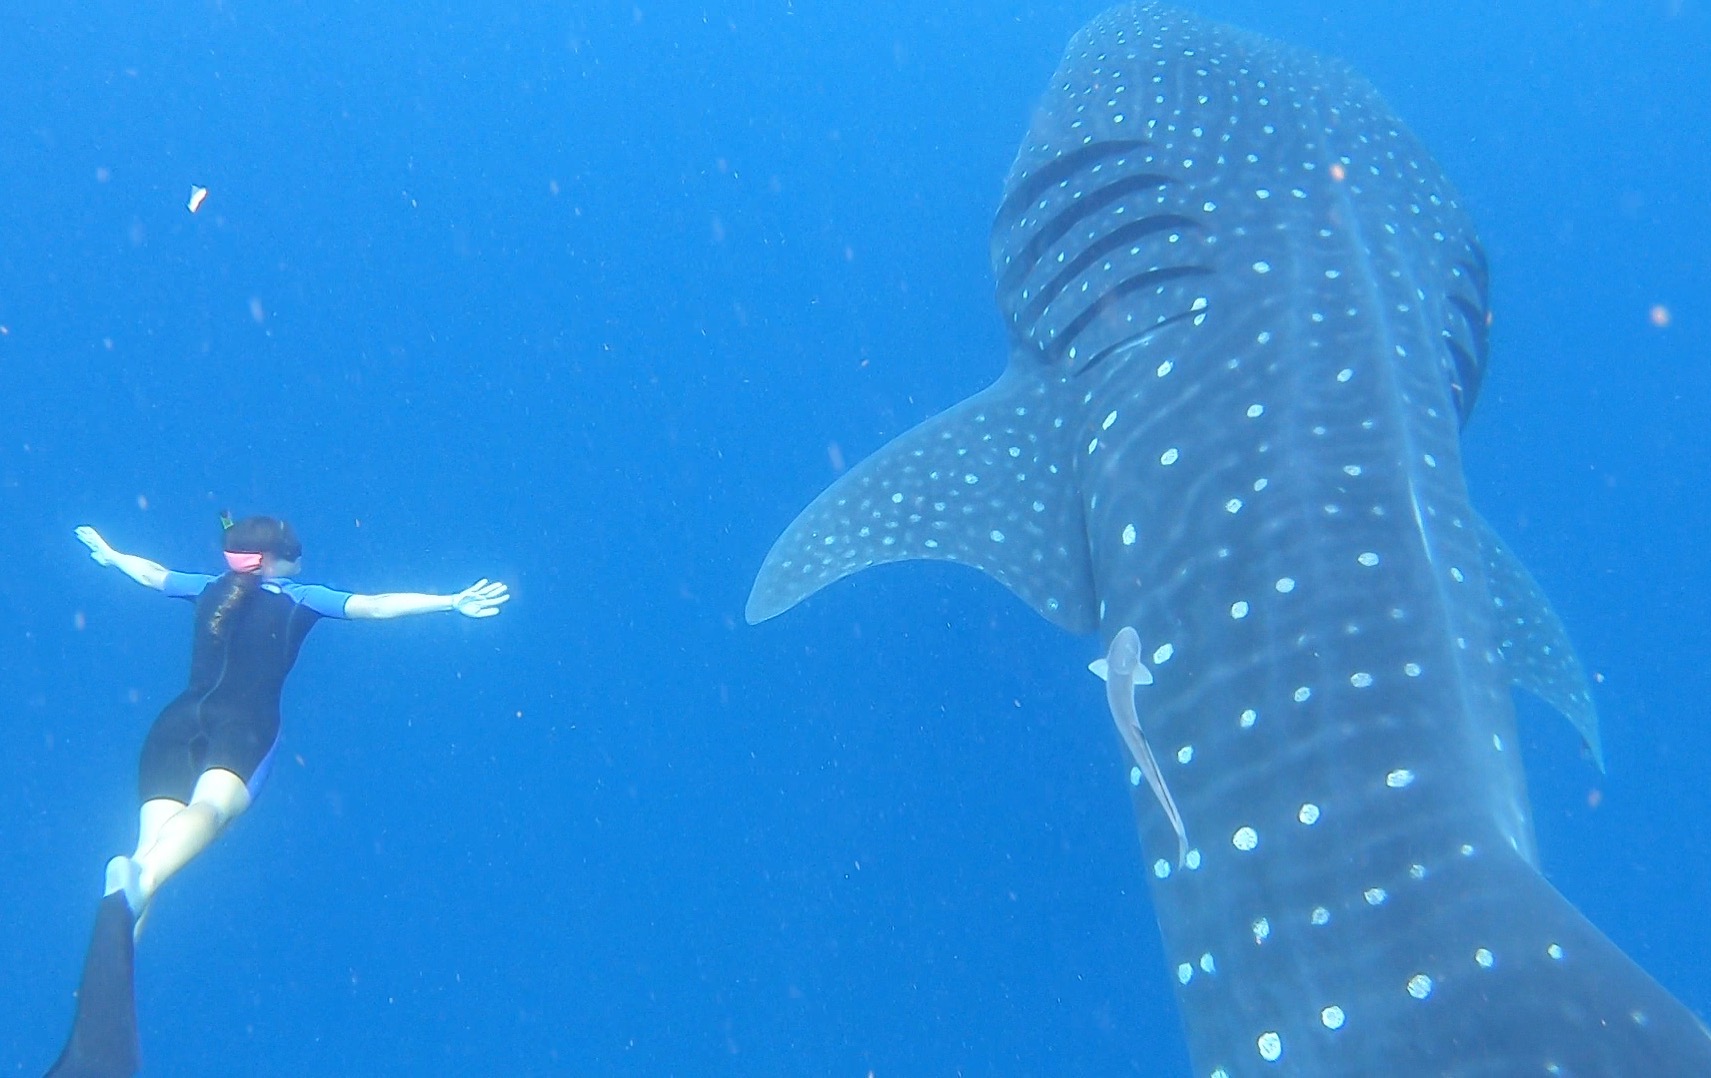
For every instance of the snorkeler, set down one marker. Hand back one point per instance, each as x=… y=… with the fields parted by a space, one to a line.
x=209 y=750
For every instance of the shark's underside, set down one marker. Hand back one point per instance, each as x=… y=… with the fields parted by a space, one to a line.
x=1247 y=319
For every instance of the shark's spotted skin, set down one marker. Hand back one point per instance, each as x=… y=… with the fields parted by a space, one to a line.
x=1247 y=320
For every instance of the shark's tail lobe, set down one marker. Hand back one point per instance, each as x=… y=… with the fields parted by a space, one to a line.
x=1523 y=977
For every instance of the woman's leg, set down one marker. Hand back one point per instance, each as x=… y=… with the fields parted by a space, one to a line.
x=219 y=798
x=151 y=818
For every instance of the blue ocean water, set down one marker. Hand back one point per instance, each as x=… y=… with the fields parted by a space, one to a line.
x=592 y=299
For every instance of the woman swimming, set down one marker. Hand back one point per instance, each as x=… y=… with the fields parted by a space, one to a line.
x=209 y=750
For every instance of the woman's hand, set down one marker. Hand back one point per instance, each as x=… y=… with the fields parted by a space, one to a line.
x=99 y=550
x=480 y=600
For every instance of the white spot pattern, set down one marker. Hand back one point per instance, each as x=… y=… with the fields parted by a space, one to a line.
x=1270 y=1046
x=1103 y=130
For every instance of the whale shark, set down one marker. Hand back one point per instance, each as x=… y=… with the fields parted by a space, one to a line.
x=1247 y=319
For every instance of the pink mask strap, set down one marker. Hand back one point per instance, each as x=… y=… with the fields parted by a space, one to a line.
x=243 y=562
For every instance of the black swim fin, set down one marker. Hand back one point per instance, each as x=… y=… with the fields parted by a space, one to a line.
x=103 y=1040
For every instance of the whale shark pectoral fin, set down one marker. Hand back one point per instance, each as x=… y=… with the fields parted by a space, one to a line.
x=1533 y=642
x=989 y=483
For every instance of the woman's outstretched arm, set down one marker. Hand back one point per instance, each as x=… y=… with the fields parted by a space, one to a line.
x=480 y=600
x=145 y=572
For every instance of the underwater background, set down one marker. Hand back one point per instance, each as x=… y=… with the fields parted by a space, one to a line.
x=592 y=299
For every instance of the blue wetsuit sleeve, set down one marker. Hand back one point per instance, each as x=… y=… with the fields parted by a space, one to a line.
x=325 y=601
x=184 y=585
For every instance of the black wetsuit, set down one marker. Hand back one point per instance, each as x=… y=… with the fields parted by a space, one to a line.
x=228 y=717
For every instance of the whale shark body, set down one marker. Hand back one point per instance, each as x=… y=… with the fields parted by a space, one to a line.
x=1247 y=320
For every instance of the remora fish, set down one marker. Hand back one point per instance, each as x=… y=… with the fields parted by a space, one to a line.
x=1247 y=320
